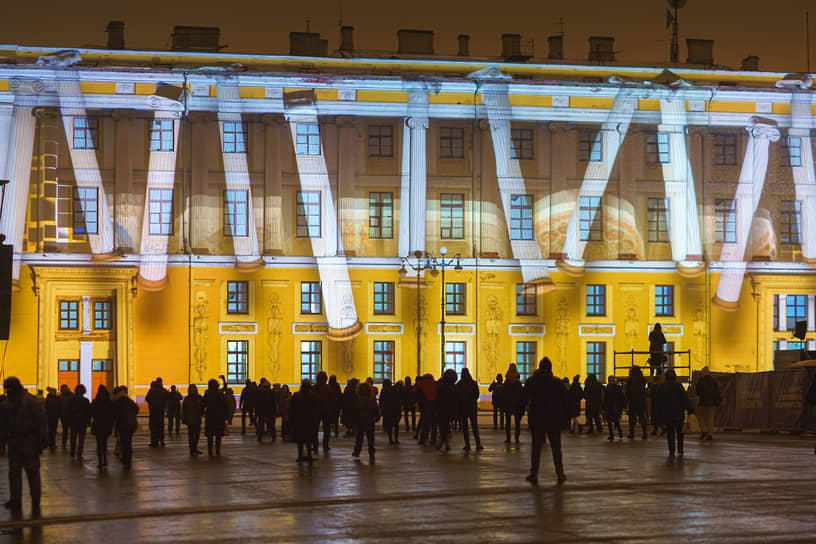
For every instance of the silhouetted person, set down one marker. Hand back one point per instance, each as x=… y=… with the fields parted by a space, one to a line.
x=391 y=400
x=102 y=424
x=52 y=412
x=548 y=416
x=368 y=415
x=26 y=426
x=409 y=404
x=264 y=406
x=247 y=403
x=672 y=404
x=467 y=391
x=427 y=394
x=303 y=419
x=229 y=397
x=124 y=413
x=173 y=410
x=156 y=400
x=80 y=419
x=325 y=408
x=636 y=401
x=513 y=402
x=65 y=413
x=191 y=413
x=656 y=354
x=496 y=389
x=338 y=404
x=447 y=404
x=593 y=394
x=708 y=398
x=284 y=398
x=613 y=406
x=215 y=416
x=575 y=396
x=349 y=417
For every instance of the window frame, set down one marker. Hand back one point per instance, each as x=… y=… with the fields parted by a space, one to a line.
x=307 y=140
x=384 y=298
x=160 y=137
x=451 y=142
x=453 y=352
x=160 y=227
x=725 y=149
x=235 y=208
x=596 y=359
x=590 y=229
x=383 y=360
x=658 y=150
x=587 y=152
x=378 y=222
x=237 y=361
x=522 y=144
x=311 y=298
x=658 y=214
x=790 y=222
x=77 y=318
x=788 y=158
x=85 y=137
x=664 y=300
x=234 y=137
x=103 y=316
x=520 y=214
x=81 y=213
x=304 y=228
x=237 y=297
x=526 y=359
x=311 y=359
x=526 y=304
x=451 y=213
x=796 y=315
x=455 y=298
x=73 y=365
x=725 y=221
x=595 y=300
x=380 y=144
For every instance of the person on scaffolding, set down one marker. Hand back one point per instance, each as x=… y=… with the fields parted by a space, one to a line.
x=657 y=355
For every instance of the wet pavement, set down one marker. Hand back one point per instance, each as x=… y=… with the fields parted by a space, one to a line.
x=738 y=488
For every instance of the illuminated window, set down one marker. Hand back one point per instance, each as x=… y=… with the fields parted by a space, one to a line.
x=521 y=144
x=308 y=214
x=68 y=365
x=791 y=217
x=725 y=221
x=658 y=219
x=521 y=217
x=525 y=359
x=525 y=299
x=790 y=151
x=590 y=146
x=102 y=315
x=236 y=212
x=590 y=224
x=455 y=298
x=69 y=315
x=380 y=215
x=161 y=135
x=664 y=300
x=380 y=141
x=795 y=310
x=311 y=298
x=451 y=143
x=237 y=297
x=86 y=133
x=160 y=211
x=384 y=298
x=455 y=356
x=383 y=360
x=725 y=149
x=235 y=137
x=596 y=359
x=596 y=300
x=452 y=216
x=657 y=148
x=311 y=359
x=85 y=210
x=237 y=358
x=102 y=365
x=308 y=139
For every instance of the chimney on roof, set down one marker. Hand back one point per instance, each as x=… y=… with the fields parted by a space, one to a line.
x=307 y=44
x=196 y=38
x=556 y=46
x=415 y=42
x=750 y=64
x=511 y=46
x=464 y=45
x=601 y=48
x=347 y=38
x=700 y=51
x=116 y=34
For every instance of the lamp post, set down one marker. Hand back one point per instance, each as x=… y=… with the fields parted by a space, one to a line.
x=424 y=261
x=442 y=262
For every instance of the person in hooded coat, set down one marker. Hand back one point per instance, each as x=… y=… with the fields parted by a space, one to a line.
x=191 y=412
x=467 y=391
x=368 y=414
x=303 y=421
x=26 y=428
x=409 y=404
x=52 y=413
x=336 y=405
x=102 y=423
x=247 y=403
x=513 y=402
x=708 y=398
x=447 y=404
x=215 y=416
x=156 y=400
x=325 y=408
x=264 y=408
x=672 y=404
x=548 y=416
x=80 y=419
x=613 y=406
x=349 y=417
x=636 y=401
x=427 y=392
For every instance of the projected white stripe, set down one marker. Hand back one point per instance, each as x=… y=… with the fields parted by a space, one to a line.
x=160 y=175
x=804 y=177
x=510 y=179
x=327 y=249
x=236 y=170
x=405 y=193
x=749 y=191
x=613 y=131
x=86 y=167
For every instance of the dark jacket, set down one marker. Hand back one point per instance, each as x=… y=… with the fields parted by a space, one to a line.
x=265 y=402
x=708 y=392
x=672 y=402
x=391 y=402
x=497 y=388
x=575 y=396
x=191 y=410
x=80 y=413
x=368 y=411
x=102 y=416
x=215 y=415
x=66 y=397
x=350 y=415
x=513 y=396
x=25 y=423
x=467 y=392
x=593 y=393
x=52 y=406
x=447 y=401
x=636 y=394
x=124 y=413
x=303 y=416
x=325 y=399
x=549 y=402
x=156 y=399
x=613 y=399
x=173 y=403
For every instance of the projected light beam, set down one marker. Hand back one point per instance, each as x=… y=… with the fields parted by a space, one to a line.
x=804 y=178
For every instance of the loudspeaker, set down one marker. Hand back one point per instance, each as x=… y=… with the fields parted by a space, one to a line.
x=6 y=253
x=801 y=330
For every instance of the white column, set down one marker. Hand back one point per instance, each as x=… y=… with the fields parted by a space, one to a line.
x=749 y=191
x=811 y=312
x=804 y=178
x=783 y=310
x=404 y=219
x=86 y=366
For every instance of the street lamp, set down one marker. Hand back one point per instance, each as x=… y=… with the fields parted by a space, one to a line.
x=442 y=262
x=424 y=261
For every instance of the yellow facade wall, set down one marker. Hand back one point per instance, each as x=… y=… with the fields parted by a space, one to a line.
x=591 y=102
x=733 y=107
x=96 y=87
x=530 y=100
x=364 y=95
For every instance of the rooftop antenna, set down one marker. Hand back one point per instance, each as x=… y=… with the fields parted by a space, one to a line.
x=562 y=25
x=671 y=20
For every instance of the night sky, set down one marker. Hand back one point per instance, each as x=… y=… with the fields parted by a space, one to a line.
x=775 y=31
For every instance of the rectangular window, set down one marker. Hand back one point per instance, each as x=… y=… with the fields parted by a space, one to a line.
x=776 y=312
x=725 y=221
x=455 y=298
x=664 y=300
x=525 y=359
x=311 y=359
x=521 y=217
x=236 y=212
x=235 y=137
x=596 y=300
x=380 y=215
x=451 y=143
x=590 y=224
x=658 y=219
x=69 y=315
x=308 y=139
x=657 y=148
x=795 y=310
x=384 y=298
x=380 y=141
x=596 y=359
x=790 y=151
x=237 y=359
x=455 y=356
x=161 y=135
x=452 y=216
x=102 y=315
x=237 y=297
x=725 y=149
x=311 y=299
x=521 y=144
x=383 y=360
x=160 y=211
x=308 y=214
x=68 y=365
x=790 y=221
x=86 y=209
x=590 y=146
x=86 y=133
x=526 y=299
x=102 y=365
